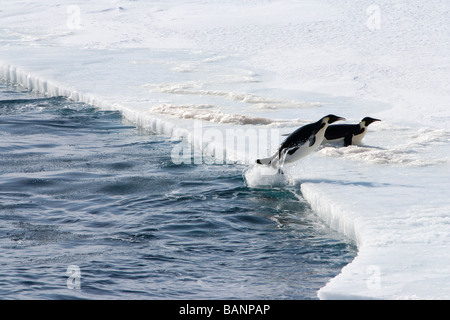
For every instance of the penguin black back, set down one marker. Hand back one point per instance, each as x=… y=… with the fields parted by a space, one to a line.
x=339 y=131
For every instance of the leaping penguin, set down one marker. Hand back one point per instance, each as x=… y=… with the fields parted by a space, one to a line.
x=350 y=133
x=300 y=143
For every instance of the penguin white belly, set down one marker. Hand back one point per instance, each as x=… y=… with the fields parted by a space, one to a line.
x=301 y=152
x=358 y=138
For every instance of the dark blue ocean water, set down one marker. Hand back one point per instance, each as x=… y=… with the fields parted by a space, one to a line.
x=93 y=208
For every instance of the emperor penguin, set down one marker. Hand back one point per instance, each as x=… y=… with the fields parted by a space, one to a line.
x=349 y=133
x=300 y=143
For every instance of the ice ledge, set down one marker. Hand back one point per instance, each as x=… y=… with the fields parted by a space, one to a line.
x=14 y=75
x=341 y=220
x=335 y=216
x=402 y=250
x=18 y=76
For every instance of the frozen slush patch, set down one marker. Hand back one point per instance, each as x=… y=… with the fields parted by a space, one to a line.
x=409 y=147
x=427 y=136
x=211 y=113
x=259 y=102
x=187 y=67
x=207 y=113
x=374 y=155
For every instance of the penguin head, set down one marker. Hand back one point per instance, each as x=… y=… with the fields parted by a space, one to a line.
x=368 y=120
x=329 y=119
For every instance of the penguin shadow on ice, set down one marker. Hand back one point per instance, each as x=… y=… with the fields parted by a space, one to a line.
x=309 y=138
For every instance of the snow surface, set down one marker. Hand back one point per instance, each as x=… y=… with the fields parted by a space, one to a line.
x=213 y=71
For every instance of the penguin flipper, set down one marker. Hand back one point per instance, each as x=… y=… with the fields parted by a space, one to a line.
x=312 y=140
x=291 y=151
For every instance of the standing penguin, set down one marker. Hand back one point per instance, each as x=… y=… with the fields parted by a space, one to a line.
x=350 y=133
x=300 y=143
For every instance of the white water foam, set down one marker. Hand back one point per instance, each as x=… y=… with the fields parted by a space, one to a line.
x=257 y=176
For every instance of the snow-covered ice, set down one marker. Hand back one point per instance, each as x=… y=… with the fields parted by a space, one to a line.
x=210 y=71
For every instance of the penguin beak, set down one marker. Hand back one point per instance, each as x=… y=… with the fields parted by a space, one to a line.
x=334 y=119
x=372 y=120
